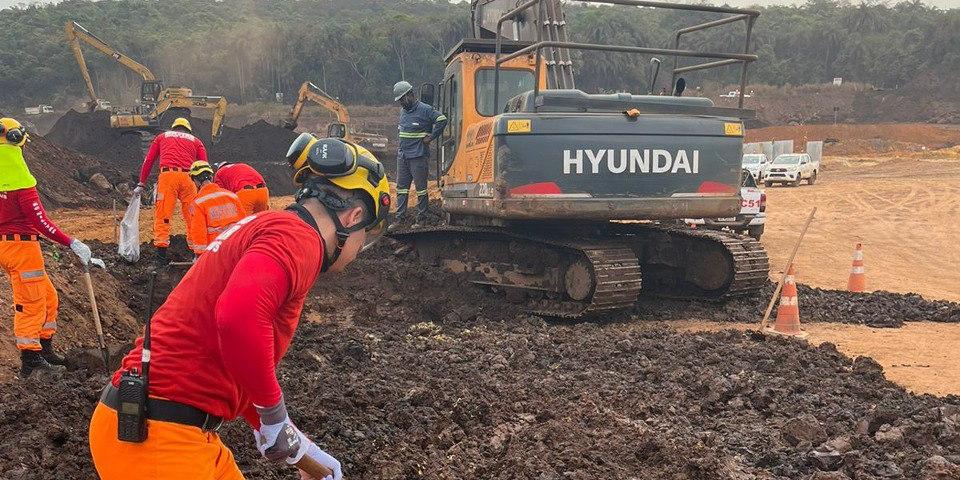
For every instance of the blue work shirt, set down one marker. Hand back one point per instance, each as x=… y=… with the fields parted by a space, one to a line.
x=419 y=122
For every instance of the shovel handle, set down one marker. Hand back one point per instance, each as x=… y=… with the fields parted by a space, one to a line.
x=314 y=468
x=93 y=304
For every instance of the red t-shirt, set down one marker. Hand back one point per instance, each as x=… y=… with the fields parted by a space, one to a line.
x=174 y=149
x=219 y=336
x=235 y=176
x=21 y=212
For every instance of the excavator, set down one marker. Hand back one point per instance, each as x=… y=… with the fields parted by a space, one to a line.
x=339 y=129
x=157 y=105
x=570 y=203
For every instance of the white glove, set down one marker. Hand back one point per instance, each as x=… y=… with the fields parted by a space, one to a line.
x=277 y=439
x=82 y=251
x=138 y=189
x=323 y=458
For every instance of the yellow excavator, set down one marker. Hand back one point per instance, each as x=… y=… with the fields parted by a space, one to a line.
x=157 y=105
x=338 y=129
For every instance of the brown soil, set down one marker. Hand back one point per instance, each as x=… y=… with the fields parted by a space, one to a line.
x=851 y=140
x=920 y=356
x=900 y=209
x=434 y=378
x=63 y=176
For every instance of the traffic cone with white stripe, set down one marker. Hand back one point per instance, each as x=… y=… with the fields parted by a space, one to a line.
x=858 y=275
x=788 y=312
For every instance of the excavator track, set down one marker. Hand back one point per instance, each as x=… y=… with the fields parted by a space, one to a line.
x=680 y=262
x=566 y=274
x=555 y=277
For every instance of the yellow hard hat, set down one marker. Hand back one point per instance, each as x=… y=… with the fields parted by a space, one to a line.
x=182 y=122
x=12 y=132
x=348 y=166
x=199 y=167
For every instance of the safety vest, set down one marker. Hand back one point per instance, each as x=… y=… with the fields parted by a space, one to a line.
x=14 y=173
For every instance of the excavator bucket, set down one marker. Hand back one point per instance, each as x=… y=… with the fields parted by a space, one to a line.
x=288 y=123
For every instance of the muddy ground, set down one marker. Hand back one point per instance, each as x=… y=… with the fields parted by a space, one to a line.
x=403 y=371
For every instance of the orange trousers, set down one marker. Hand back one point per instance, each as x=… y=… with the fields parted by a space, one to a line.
x=254 y=200
x=171 y=187
x=171 y=452
x=35 y=301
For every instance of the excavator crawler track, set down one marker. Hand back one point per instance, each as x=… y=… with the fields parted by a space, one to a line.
x=556 y=277
x=572 y=273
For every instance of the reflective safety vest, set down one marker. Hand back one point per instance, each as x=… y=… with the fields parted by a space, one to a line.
x=419 y=122
x=212 y=211
x=14 y=174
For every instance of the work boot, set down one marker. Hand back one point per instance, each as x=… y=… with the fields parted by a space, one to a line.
x=32 y=361
x=46 y=345
x=162 y=259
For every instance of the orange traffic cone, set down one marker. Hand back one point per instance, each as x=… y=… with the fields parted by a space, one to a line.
x=858 y=276
x=788 y=312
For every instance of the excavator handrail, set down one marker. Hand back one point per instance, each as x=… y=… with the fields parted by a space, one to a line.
x=749 y=16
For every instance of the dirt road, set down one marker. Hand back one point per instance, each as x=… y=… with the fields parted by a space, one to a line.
x=902 y=210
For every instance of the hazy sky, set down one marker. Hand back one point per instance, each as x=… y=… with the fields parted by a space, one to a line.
x=739 y=3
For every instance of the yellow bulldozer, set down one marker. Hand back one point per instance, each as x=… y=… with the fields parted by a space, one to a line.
x=157 y=105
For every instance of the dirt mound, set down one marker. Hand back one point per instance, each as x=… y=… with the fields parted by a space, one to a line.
x=261 y=144
x=66 y=178
x=875 y=309
x=416 y=374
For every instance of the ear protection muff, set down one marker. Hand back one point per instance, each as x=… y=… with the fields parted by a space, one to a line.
x=14 y=135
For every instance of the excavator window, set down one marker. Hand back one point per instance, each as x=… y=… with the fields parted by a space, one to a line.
x=512 y=83
x=453 y=109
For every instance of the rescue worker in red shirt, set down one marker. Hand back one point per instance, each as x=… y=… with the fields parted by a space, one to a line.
x=22 y=221
x=212 y=211
x=217 y=339
x=246 y=182
x=177 y=149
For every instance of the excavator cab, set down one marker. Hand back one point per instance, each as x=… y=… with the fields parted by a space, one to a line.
x=337 y=130
x=150 y=92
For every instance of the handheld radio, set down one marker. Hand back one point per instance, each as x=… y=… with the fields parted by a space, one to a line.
x=132 y=391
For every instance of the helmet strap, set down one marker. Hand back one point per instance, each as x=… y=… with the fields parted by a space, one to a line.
x=333 y=205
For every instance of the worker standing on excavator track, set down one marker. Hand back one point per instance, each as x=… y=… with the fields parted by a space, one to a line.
x=217 y=339
x=246 y=182
x=212 y=211
x=419 y=125
x=177 y=149
x=22 y=221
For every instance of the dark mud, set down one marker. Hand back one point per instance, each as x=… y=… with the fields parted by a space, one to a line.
x=403 y=371
x=875 y=309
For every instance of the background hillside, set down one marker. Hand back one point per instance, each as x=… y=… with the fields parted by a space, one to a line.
x=355 y=49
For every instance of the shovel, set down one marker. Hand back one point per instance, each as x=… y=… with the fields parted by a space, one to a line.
x=314 y=468
x=96 y=316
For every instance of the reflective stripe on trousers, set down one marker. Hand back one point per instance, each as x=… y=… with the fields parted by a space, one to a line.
x=35 y=301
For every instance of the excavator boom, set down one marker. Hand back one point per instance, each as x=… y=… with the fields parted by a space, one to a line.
x=311 y=92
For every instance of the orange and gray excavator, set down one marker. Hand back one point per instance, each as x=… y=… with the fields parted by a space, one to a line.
x=340 y=128
x=571 y=202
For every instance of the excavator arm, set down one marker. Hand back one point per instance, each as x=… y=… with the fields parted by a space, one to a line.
x=178 y=104
x=320 y=98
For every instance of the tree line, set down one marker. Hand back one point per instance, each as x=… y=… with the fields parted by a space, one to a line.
x=249 y=50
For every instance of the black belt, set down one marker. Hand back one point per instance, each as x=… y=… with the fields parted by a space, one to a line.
x=16 y=237
x=254 y=187
x=167 y=411
x=174 y=169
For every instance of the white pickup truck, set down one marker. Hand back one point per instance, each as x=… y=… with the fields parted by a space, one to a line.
x=754 y=163
x=790 y=168
x=753 y=211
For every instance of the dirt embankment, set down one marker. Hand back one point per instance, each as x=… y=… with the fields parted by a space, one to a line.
x=68 y=179
x=261 y=144
x=863 y=140
x=404 y=371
